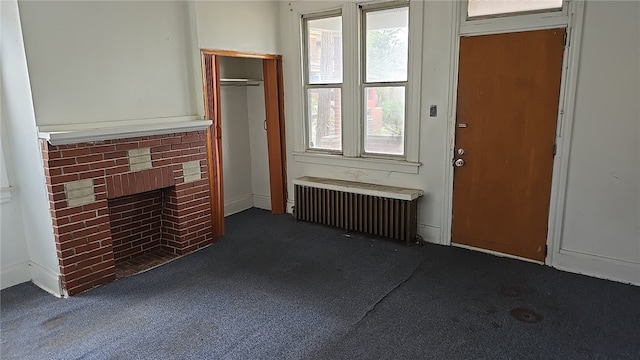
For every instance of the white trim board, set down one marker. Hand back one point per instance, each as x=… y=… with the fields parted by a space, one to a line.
x=597 y=266
x=447 y=176
x=14 y=274
x=430 y=234
x=238 y=204
x=73 y=134
x=564 y=133
x=46 y=279
x=262 y=202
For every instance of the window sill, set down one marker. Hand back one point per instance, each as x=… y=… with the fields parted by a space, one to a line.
x=359 y=163
x=5 y=195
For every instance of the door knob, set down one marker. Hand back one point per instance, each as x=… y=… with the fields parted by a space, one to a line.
x=458 y=162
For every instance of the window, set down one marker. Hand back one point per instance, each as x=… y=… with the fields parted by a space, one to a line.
x=369 y=100
x=484 y=8
x=386 y=43
x=323 y=82
x=498 y=16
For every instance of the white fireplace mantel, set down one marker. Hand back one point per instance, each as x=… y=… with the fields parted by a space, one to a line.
x=90 y=132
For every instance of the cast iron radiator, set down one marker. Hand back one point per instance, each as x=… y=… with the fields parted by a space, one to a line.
x=368 y=208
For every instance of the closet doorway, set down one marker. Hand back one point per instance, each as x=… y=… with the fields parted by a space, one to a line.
x=243 y=95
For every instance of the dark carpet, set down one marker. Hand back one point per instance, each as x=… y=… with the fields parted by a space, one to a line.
x=276 y=289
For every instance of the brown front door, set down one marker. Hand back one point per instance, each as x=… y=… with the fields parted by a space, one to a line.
x=508 y=95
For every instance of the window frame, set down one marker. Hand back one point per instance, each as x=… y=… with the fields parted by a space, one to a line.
x=352 y=156
x=363 y=9
x=508 y=14
x=516 y=21
x=306 y=83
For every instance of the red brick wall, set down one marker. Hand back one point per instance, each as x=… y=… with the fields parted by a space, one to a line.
x=187 y=217
x=136 y=224
x=82 y=233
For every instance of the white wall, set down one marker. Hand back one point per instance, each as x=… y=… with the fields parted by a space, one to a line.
x=244 y=140
x=602 y=216
x=247 y=26
x=14 y=259
x=236 y=154
x=259 y=152
x=18 y=122
x=98 y=61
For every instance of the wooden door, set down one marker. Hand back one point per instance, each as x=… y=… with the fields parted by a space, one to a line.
x=211 y=92
x=507 y=109
x=274 y=109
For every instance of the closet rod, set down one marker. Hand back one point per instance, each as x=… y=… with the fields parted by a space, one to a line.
x=240 y=82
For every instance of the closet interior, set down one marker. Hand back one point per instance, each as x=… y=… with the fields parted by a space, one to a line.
x=245 y=159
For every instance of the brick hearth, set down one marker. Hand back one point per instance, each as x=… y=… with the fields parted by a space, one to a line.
x=84 y=179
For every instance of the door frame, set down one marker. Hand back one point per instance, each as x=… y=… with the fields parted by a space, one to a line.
x=276 y=141
x=568 y=85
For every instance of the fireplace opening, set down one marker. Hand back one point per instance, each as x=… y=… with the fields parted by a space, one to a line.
x=138 y=233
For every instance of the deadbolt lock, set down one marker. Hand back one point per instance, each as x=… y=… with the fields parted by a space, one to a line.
x=461 y=151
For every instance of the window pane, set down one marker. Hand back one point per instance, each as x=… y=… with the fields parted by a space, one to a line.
x=324 y=52
x=496 y=7
x=384 y=125
x=324 y=107
x=387 y=45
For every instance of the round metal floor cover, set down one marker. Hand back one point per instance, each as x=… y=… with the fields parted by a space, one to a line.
x=526 y=315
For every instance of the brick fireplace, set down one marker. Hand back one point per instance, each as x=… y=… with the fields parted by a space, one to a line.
x=112 y=200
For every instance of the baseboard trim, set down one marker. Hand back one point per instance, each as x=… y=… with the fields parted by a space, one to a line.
x=46 y=279
x=430 y=234
x=14 y=274
x=597 y=266
x=238 y=204
x=262 y=202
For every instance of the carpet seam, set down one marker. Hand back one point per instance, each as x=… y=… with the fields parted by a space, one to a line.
x=373 y=307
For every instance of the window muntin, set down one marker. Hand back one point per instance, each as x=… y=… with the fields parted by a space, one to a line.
x=323 y=82
x=385 y=40
x=488 y=8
